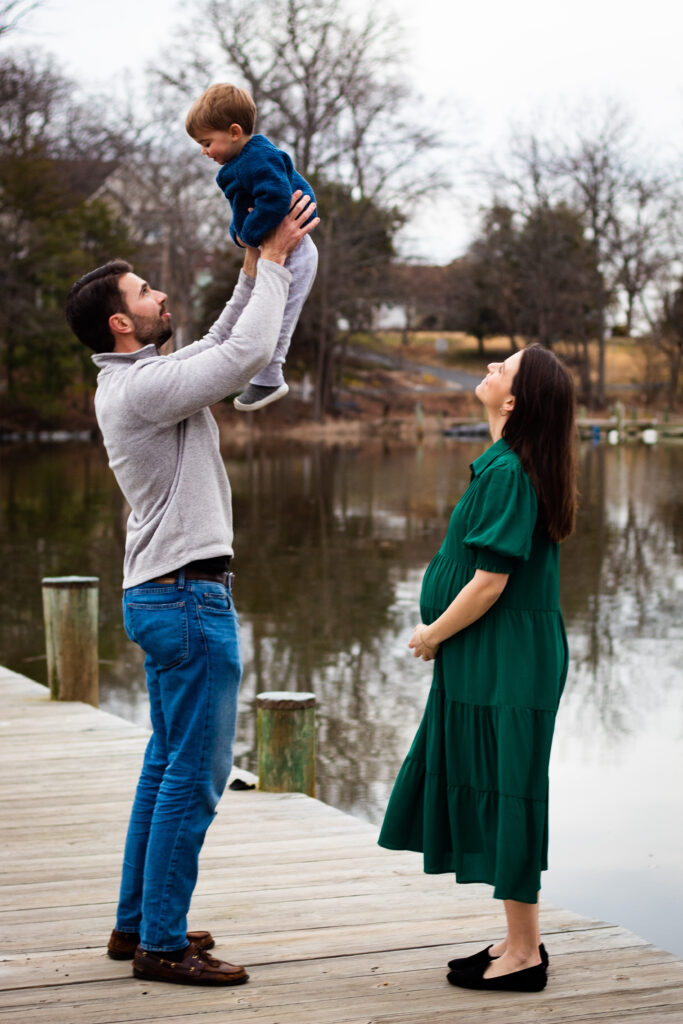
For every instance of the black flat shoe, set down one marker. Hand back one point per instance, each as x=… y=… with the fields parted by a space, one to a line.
x=464 y=963
x=531 y=979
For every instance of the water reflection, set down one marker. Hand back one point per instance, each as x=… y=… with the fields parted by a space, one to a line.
x=331 y=546
x=621 y=586
x=616 y=822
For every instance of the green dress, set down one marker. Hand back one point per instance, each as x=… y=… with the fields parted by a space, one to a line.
x=472 y=794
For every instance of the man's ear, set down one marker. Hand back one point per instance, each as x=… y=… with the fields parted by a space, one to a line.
x=236 y=132
x=120 y=324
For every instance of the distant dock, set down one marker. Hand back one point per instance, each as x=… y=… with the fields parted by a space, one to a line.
x=333 y=929
x=613 y=429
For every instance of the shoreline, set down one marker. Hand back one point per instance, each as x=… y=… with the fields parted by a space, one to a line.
x=417 y=427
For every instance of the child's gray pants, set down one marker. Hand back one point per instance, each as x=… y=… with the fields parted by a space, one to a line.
x=302 y=265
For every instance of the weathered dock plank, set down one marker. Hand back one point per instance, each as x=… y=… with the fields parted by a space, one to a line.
x=333 y=929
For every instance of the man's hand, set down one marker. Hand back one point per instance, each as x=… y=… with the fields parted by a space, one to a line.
x=282 y=240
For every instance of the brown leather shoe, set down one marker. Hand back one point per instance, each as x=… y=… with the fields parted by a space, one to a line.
x=196 y=968
x=122 y=945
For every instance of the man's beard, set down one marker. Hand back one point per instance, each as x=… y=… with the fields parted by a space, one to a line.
x=152 y=330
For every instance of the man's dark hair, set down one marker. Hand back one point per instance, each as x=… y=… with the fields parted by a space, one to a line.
x=92 y=300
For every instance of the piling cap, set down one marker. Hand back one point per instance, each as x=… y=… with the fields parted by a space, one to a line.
x=70 y=581
x=288 y=700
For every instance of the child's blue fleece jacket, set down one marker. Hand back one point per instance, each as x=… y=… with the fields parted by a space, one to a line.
x=264 y=177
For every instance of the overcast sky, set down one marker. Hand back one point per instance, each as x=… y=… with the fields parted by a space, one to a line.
x=499 y=62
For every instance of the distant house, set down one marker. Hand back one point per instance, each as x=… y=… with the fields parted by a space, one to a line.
x=390 y=316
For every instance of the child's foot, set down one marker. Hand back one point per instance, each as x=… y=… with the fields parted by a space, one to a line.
x=257 y=395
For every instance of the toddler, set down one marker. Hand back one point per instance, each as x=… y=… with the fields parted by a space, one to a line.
x=258 y=180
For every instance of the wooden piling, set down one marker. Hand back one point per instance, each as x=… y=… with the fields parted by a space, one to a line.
x=285 y=731
x=70 y=610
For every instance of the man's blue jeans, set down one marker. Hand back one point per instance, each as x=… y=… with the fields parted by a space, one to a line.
x=189 y=633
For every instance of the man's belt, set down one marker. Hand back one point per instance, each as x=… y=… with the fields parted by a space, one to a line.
x=192 y=574
x=215 y=570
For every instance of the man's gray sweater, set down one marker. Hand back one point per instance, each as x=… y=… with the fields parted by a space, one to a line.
x=162 y=440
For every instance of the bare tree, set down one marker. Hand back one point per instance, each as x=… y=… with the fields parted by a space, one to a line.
x=642 y=242
x=12 y=11
x=530 y=176
x=599 y=169
x=34 y=95
x=173 y=213
x=330 y=89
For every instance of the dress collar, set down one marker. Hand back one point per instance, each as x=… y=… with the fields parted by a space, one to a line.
x=490 y=455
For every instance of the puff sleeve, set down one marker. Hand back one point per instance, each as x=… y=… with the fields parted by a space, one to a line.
x=502 y=519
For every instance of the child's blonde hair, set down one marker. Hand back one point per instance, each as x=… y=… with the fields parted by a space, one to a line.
x=218 y=107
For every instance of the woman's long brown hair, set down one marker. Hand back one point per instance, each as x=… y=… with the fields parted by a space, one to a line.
x=541 y=429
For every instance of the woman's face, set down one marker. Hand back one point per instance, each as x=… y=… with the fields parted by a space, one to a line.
x=495 y=390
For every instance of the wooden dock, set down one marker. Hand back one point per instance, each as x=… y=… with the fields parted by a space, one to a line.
x=333 y=929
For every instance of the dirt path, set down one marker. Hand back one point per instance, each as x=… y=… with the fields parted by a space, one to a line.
x=459 y=380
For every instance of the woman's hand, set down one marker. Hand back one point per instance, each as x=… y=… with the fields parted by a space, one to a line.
x=473 y=601
x=420 y=645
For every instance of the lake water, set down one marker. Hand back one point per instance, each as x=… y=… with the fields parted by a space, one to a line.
x=331 y=545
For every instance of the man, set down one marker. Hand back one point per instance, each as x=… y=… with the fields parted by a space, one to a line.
x=162 y=443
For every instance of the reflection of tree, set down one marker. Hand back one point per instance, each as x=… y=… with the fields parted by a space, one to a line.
x=619 y=578
x=582 y=600
x=669 y=495
x=323 y=540
x=61 y=515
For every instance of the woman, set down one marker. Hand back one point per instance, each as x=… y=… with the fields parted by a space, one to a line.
x=472 y=794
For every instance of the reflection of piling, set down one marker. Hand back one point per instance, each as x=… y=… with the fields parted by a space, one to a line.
x=70 y=614
x=619 y=417
x=419 y=420
x=286 y=742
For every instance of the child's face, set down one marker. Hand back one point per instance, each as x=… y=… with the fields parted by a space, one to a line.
x=221 y=146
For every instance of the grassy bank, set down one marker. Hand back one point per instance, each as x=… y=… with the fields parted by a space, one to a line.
x=630 y=364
